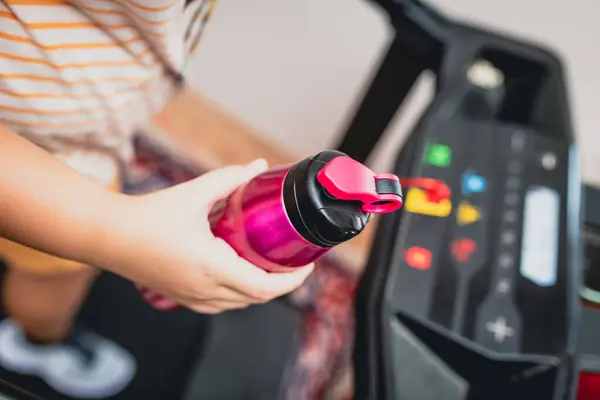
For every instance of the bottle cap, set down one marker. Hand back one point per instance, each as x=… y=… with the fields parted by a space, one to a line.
x=347 y=179
x=329 y=198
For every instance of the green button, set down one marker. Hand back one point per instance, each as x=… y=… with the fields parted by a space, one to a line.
x=438 y=155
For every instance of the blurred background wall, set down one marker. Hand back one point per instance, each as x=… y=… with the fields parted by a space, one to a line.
x=293 y=69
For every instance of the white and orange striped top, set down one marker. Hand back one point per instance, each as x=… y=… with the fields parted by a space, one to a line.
x=78 y=77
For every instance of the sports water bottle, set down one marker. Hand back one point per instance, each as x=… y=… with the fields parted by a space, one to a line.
x=290 y=216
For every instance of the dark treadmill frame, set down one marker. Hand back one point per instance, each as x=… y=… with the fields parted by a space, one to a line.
x=427 y=41
x=590 y=332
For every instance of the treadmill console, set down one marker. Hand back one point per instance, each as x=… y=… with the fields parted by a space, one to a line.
x=489 y=266
x=475 y=297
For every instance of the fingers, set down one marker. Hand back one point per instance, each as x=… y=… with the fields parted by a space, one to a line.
x=223 y=294
x=164 y=304
x=216 y=307
x=240 y=275
x=228 y=294
x=279 y=284
x=221 y=182
x=157 y=300
x=205 y=309
x=221 y=299
x=260 y=286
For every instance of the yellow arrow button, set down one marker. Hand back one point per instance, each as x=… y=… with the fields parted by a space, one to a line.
x=467 y=213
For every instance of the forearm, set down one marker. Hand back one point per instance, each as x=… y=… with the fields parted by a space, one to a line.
x=47 y=205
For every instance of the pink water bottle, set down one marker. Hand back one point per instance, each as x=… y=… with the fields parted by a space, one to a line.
x=290 y=216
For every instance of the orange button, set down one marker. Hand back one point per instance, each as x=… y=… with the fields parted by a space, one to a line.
x=418 y=257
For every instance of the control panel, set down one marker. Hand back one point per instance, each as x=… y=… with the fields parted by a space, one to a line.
x=475 y=297
x=484 y=265
x=481 y=287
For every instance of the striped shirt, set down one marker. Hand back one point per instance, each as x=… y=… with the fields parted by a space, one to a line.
x=78 y=77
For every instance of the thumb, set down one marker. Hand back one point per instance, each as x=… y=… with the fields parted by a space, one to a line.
x=220 y=183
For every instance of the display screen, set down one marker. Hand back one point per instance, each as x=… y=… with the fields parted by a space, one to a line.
x=539 y=252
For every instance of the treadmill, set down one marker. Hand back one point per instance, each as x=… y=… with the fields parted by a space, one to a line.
x=477 y=297
x=444 y=320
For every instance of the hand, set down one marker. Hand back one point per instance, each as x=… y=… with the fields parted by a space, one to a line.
x=163 y=241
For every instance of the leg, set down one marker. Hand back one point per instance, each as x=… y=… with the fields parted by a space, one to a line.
x=47 y=312
x=42 y=295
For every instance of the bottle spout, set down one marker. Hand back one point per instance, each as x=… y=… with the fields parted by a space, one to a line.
x=346 y=179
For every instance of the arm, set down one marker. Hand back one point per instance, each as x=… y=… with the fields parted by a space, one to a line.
x=162 y=240
x=47 y=205
x=204 y=132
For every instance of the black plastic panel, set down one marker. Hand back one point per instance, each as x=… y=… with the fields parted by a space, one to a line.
x=476 y=306
x=474 y=274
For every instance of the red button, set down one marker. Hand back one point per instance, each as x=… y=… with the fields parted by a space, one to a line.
x=589 y=386
x=418 y=258
x=462 y=249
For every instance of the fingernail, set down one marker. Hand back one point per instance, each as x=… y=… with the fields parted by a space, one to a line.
x=258 y=165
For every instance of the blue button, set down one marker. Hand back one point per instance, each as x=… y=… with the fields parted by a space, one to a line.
x=472 y=183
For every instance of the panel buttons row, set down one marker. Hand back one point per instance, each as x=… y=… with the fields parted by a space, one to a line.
x=418 y=254
x=436 y=160
x=421 y=250
x=468 y=242
x=498 y=320
x=510 y=225
x=425 y=221
x=468 y=248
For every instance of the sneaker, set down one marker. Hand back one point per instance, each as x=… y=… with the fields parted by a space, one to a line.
x=85 y=366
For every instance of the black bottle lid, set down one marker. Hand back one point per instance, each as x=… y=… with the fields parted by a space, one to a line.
x=329 y=198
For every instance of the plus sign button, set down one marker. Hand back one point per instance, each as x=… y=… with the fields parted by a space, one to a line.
x=499 y=327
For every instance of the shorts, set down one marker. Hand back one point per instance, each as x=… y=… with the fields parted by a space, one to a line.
x=26 y=259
